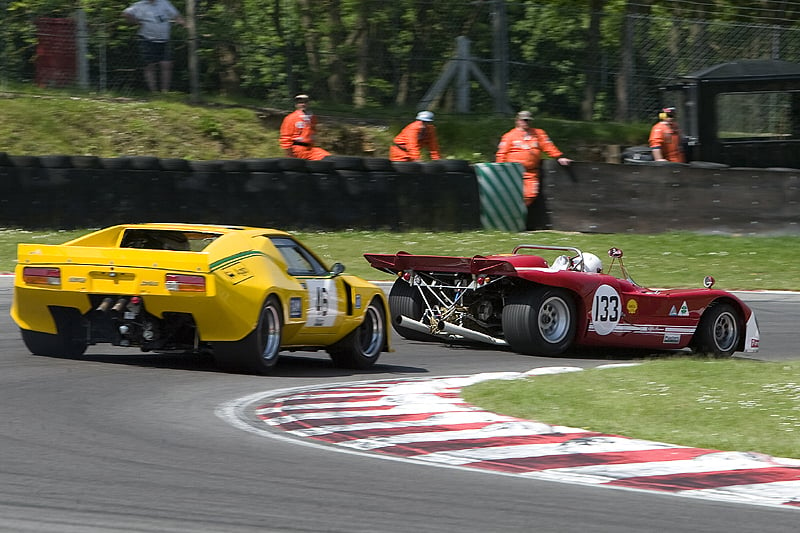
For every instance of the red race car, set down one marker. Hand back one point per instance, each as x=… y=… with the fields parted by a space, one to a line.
x=520 y=301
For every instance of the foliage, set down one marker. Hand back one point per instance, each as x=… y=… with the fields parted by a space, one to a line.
x=374 y=54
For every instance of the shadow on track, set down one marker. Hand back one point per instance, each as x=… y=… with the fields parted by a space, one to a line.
x=288 y=365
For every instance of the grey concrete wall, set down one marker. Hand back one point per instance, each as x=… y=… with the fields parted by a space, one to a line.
x=609 y=198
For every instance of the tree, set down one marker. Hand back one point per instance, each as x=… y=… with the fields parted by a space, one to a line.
x=592 y=59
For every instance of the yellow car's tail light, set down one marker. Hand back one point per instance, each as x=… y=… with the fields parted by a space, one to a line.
x=185 y=283
x=41 y=276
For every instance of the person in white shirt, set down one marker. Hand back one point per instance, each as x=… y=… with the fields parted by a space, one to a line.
x=155 y=18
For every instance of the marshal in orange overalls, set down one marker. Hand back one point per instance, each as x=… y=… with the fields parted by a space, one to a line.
x=408 y=144
x=525 y=145
x=298 y=130
x=665 y=138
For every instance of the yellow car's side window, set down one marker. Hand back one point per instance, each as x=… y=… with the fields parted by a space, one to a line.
x=298 y=259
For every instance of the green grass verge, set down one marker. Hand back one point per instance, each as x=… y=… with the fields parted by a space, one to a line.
x=111 y=128
x=663 y=260
x=733 y=405
x=168 y=126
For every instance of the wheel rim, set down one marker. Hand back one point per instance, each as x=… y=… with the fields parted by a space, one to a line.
x=371 y=332
x=554 y=320
x=726 y=332
x=271 y=333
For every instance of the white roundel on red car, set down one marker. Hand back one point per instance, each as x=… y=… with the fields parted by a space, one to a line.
x=606 y=309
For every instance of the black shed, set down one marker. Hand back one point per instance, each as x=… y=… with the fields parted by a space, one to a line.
x=742 y=113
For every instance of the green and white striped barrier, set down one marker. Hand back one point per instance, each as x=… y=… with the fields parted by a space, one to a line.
x=500 y=186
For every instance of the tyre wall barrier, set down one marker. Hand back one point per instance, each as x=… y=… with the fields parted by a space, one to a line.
x=343 y=192
x=340 y=192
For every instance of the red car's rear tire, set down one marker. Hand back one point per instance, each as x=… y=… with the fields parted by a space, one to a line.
x=405 y=300
x=540 y=322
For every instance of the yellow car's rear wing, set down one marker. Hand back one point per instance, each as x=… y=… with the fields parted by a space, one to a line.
x=53 y=254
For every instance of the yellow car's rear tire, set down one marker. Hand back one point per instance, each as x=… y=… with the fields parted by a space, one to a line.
x=362 y=346
x=69 y=341
x=258 y=352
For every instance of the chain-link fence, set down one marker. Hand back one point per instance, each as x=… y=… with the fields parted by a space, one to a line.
x=668 y=48
x=77 y=51
x=376 y=57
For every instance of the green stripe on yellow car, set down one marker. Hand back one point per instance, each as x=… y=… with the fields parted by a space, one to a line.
x=232 y=259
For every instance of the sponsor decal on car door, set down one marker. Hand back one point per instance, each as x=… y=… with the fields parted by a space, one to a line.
x=323 y=302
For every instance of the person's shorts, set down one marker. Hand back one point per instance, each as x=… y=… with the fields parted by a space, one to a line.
x=154 y=51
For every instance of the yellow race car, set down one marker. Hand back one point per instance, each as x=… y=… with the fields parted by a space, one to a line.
x=241 y=293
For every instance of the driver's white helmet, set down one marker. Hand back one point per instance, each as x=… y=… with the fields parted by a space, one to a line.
x=592 y=263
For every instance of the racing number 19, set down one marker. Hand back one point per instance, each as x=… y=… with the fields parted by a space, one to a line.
x=322 y=301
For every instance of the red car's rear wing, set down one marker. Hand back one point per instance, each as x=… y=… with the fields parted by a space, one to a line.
x=494 y=265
